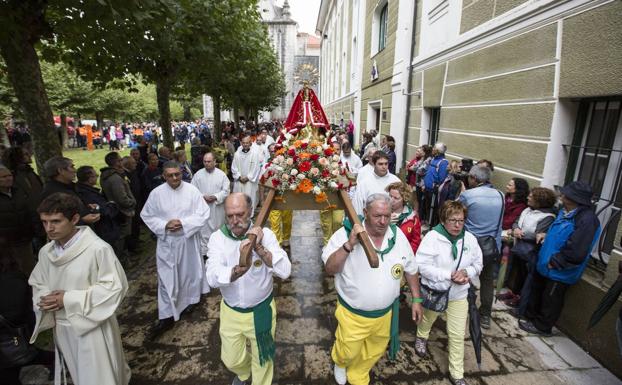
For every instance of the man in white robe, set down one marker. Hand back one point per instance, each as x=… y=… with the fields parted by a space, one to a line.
x=176 y=212
x=373 y=183
x=350 y=160
x=77 y=286
x=246 y=169
x=214 y=185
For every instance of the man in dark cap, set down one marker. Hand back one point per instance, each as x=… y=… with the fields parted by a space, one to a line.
x=563 y=257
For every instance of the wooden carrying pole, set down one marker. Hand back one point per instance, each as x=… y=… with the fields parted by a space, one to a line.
x=246 y=254
x=372 y=257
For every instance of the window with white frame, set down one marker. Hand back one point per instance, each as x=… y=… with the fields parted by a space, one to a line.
x=380 y=27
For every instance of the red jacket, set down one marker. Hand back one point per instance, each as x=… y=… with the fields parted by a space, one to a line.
x=411 y=227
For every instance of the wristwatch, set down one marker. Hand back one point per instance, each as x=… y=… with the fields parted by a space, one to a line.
x=345 y=248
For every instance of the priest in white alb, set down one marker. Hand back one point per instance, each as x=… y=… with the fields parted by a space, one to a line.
x=176 y=212
x=214 y=185
x=246 y=169
x=77 y=286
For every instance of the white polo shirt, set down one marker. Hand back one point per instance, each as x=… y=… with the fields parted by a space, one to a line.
x=366 y=288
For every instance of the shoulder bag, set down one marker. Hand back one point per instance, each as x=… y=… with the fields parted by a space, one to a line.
x=488 y=243
x=15 y=349
x=437 y=300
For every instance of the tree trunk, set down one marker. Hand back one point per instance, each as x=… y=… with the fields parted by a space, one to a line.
x=63 y=131
x=187 y=113
x=25 y=76
x=217 y=132
x=236 y=117
x=163 y=91
x=100 y=121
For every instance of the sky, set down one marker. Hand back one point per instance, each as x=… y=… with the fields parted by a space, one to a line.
x=305 y=13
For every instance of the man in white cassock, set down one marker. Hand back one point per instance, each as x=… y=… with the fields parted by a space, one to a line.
x=214 y=185
x=246 y=170
x=261 y=145
x=374 y=182
x=349 y=159
x=176 y=212
x=77 y=286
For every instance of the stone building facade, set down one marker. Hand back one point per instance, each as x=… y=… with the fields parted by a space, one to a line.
x=533 y=85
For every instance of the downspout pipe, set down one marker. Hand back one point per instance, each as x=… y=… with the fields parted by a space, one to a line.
x=410 y=75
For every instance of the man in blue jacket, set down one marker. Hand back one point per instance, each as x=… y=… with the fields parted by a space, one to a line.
x=562 y=258
x=434 y=176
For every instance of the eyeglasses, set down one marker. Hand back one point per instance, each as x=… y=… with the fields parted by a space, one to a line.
x=456 y=221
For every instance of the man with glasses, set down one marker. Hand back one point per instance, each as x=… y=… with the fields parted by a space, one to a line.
x=176 y=212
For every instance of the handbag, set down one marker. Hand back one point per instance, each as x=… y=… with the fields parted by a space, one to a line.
x=437 y=300
x=488 y=243
x=15 y=349
x=524 y=250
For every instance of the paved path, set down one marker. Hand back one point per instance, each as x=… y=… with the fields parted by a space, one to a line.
x=189 y=354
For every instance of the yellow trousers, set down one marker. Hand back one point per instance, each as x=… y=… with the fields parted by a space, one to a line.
x=359 y=343
x=456 y=313
x=235 y=330
x=330 y=220
x=281 y=224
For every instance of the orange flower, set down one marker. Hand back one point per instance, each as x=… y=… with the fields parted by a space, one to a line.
x=305 y=186
x=298 y=143
x=321 y=197
x=314 y=144
x=280 y=151
x=304 y=155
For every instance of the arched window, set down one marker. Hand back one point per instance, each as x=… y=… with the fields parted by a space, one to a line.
x=383 y=25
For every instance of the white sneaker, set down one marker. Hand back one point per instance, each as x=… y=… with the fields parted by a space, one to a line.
x=340 y=375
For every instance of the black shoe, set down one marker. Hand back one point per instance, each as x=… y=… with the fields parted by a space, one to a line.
x=529 y=327
x=484 y=321
x=159 y=328
x=189 y=309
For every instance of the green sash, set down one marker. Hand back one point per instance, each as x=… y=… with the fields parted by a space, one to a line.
x=262 y=318
x=394 y=342
x=225 y=230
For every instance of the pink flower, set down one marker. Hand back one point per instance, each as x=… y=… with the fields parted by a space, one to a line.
x=323 y=161
x=315 y=171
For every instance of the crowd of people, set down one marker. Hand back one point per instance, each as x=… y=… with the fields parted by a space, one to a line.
x=440 y=231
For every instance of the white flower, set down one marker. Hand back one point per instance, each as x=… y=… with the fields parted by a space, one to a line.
x=279 y=159
x=334 y=165
x=289 y=161
x=294 y=172
x=319 y=150
x=301 y=176
x=336 y=158
x=317 y=190
x=284 y=176
x=325 y=146
x=293 y=186
x=278 y=168
x=335 y=172
x=333 y=184
x=288 y=136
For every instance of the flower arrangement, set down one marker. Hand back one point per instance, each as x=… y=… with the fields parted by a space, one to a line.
x=305 y=166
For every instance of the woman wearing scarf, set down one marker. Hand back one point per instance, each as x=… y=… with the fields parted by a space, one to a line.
x=447 y=259
x=402 y=213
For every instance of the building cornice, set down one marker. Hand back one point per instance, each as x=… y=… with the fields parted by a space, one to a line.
x=321 y=17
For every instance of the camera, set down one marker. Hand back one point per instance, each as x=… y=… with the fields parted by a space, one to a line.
x=94 y=209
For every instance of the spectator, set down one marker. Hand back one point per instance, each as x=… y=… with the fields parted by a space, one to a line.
x=152 y=175
x=16 y=308
x=417 y=169
x=367 y=139
x=452 y=186
x=535 y=219
x=392 y=157
x=435 y=175
x=60 y=173
x=563 y=257
x=17 y=222
x=107 y=227
x=179 y=156
x=516 y=192
x=485 y=212
x=140 y=165
x=137 y=188
x=18 y=160
x=486 y=163
x=117 y=189
x=164 y=155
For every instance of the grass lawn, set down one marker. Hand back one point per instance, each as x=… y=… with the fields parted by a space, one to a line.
x=93 y=158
